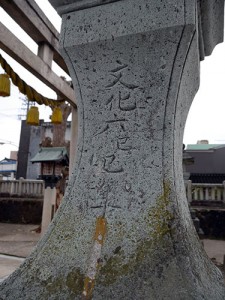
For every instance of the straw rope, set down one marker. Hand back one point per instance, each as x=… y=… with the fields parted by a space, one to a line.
x=26 y=89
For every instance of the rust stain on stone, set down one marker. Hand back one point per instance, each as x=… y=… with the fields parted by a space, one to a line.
x=88 y=288
x=94 y=264
x=100 y=230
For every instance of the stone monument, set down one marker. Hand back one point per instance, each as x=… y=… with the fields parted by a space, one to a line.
x=124 y=229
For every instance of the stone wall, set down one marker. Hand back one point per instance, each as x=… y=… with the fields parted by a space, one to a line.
x=19 y=210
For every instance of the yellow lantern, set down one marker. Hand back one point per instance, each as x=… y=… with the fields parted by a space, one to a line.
x=56 y=117
x=33 y=116
x=4 y=85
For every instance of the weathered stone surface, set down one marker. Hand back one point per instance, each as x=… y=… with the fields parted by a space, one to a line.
x=210 y=25
x=124 y=229
x=210 y=20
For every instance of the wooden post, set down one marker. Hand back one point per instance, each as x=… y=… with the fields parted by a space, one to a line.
x=45 y=53
x=73 y=141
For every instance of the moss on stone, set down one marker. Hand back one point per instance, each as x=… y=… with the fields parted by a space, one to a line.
x=75 y=282
x=54 y=285
x=113 y=268
x=159 y=220
x=160 y=217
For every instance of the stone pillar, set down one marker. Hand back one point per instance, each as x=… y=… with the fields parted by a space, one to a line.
x=48 y=210
x=124 y=229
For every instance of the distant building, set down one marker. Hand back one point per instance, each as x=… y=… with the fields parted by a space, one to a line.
x=13 y=155
x=209 y=162
x=31 y=138
x=52 y=160
x=8 y=168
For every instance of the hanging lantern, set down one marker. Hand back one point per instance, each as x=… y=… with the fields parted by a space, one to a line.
x=56 y=117
x=4 y=85
x=33 y=116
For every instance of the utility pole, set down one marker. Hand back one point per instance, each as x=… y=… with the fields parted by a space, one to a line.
x=25 y=106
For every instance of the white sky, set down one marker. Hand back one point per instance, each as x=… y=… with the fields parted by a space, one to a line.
x=205 y=120
x=10 y=107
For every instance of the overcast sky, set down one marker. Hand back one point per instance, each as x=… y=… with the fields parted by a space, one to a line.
x=206 y=119
x=11 y=107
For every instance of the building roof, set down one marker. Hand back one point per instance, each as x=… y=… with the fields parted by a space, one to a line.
x=187 y=158
x=51 y=154
x=207 y=178
x=204 y=146
x=8 y=166
x=6 y=161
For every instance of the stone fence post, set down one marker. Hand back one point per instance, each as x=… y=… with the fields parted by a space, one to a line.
x=20 y=186
x=224 y=192
x=189 y=191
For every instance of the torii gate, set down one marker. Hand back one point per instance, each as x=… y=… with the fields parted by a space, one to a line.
x=33 y=21
x=124 y=230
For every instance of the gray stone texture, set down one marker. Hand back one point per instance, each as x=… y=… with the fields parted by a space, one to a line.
x=135 y=70
x=210 y=18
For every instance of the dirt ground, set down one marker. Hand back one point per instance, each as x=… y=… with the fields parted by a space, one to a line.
x=215 y=249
